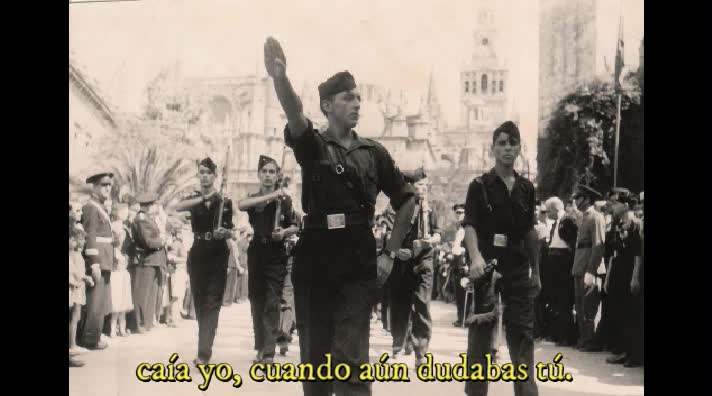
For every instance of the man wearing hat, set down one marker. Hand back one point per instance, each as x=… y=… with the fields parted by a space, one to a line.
x=151 y=261
x=587 y=258
x=99 y=257
x=500 y=215
x=412 y=276
x=336 y=270
x=459 y=268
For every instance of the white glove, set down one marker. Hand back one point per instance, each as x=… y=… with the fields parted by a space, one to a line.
x=464 y=282
x=589 y=279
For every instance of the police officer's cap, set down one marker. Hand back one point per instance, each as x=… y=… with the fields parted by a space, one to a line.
x=587 y=191
x=414 y=176
x=100 y=178
x=264 y=160
x=339 y=82
x=457 y=207
x=147 y=198
x=624 y=195
x=507 y=127
x=208 y=163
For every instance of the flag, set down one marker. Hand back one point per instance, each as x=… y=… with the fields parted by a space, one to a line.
x=619 y=56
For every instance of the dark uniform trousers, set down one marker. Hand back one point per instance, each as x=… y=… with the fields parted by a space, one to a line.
x=334 y=289
x=586 y=302
x=98 y=305
x=561 y=295
x=286 y=315
x=410 y=306
x=518 y=300
x=145 y=293
x=207 y=269
x=624 y=309
x=386 y=305
x=267 y=266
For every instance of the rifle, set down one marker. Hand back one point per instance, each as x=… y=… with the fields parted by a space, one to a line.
x=223 y=186
x=281 y=182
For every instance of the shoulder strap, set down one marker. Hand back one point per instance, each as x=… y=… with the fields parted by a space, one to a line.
x=338 y=166
x=484 y=192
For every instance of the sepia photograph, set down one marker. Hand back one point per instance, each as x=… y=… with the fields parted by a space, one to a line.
x=356 y=197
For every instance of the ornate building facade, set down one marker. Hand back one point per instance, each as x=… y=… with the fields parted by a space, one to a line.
x=90 y=117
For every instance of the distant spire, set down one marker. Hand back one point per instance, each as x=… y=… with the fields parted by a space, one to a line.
x=431 y=89
x=515 y=112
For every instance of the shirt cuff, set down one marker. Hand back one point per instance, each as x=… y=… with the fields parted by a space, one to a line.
x=289 y=140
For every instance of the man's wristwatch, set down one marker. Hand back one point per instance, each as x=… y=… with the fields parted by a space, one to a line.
x=390 y=254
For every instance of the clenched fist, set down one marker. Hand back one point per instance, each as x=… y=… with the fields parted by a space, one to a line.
x=275 y=61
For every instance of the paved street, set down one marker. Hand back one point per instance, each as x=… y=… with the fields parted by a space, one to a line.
x=112 y=371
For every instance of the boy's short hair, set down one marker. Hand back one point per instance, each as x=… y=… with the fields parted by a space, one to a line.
x=507 y=127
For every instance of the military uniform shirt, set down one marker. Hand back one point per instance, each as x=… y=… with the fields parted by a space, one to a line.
x=99 y=248
x=513 y=215
x=366 y=158
x=262 y=222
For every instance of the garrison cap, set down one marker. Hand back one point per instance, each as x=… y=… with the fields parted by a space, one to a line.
x=100 y=178
x=339 y=82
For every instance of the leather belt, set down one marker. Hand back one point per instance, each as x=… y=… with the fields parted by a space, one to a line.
x=583 y=245
x=203 y=236
x=335 y=221
x=264 y=240
x=558 y=251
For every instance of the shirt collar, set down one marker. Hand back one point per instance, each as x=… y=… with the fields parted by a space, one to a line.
x=357 y=142
x=491 y=176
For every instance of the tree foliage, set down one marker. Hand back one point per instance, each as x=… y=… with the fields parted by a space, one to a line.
x=581 y=137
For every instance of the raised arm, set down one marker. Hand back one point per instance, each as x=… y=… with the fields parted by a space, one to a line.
x=276 y=65
x=250 y=202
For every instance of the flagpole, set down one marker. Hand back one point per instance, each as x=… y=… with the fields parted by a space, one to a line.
x=619 y=89
x=618 y=132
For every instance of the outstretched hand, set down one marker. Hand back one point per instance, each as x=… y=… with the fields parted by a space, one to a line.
x=275 y=61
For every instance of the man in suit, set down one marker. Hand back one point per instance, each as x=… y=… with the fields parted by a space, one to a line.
x=559 y=260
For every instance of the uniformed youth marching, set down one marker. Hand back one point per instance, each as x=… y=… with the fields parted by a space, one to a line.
x=151 y=261
x=335 y=269
x=208 y=257
x=99 y=257
x=267 y=256
x=412 y=276
x=499 y=224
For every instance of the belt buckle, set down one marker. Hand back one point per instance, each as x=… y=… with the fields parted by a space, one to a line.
x=500 y=240
x=208 y=236
x=336 y=221
x=264 y=240
x=339 y=169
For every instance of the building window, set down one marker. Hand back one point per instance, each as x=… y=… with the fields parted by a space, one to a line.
x=501 y=86
x=485 y=41
x=474 y=87
x=484 y=83
x=477 y=110
x=494 y=86
x=467 y=86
